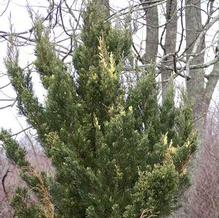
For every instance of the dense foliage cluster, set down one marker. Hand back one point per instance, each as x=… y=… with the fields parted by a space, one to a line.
x=114 y=155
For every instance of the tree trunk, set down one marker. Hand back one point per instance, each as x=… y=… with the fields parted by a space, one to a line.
x=195 y=85
x=170 y=43
x=151 y=16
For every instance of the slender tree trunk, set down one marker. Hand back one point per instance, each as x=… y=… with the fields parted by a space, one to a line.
x=151 y=16
x=170 y=42
x=195 y=85
x=211 y=84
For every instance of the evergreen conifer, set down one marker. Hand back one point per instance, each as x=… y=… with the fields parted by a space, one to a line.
x=113 y=156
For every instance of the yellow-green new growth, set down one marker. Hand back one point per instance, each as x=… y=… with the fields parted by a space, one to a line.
x=107 y=61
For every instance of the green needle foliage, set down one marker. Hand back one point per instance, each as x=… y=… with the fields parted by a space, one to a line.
x=114 y=156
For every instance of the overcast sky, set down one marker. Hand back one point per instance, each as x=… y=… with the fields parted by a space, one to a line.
x=9 y=119
x=18 y=14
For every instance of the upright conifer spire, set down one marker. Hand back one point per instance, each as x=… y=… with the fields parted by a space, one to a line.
x=113 y=157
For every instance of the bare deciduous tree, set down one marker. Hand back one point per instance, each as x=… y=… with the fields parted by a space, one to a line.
x=182 y=40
